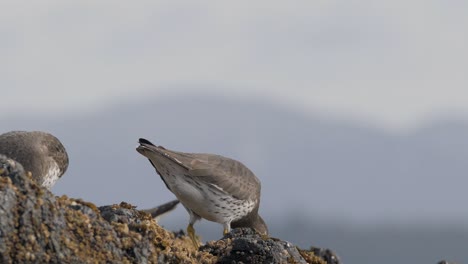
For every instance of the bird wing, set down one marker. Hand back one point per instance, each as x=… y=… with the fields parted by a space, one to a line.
x=226 y=174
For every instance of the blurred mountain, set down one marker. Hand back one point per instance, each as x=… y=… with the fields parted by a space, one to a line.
x=311 y=167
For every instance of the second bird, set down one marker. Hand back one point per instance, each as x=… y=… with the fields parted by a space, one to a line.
x=39 y=152
x=209 y=186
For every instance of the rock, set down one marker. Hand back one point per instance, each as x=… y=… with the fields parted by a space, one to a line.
x=12 y=169
x=37 y=227
x=326 y=254
x=244 y=245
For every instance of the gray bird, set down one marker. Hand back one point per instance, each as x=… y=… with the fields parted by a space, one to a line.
x=40 y=153
x=209 y=186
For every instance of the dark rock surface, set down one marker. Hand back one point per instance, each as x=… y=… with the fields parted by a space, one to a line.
x=37 y=227
x=244 y=245
x=326 y=254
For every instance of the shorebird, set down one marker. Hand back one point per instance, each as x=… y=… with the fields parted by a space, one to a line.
x=209 y=186
x=40 y=153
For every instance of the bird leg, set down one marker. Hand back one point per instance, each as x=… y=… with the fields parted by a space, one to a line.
x=193 y=237
x=227 y=228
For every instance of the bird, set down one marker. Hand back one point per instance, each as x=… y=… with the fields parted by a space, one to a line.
x=158 y=211
x=40 y=153
x=209 y=186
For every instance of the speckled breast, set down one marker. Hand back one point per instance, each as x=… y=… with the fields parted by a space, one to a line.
x=206 y=200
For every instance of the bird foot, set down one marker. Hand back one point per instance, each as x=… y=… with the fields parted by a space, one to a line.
x=193 y=237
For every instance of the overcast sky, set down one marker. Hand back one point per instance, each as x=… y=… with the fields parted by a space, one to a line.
x=392 y=63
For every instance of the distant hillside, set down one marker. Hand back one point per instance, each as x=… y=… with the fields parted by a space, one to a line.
x=310 y=163
x=372 y=174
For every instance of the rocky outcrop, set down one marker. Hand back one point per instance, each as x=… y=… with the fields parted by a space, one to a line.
x=243 y=245
x=37 y=227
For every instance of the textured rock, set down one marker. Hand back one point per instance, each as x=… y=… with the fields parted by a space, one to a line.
x=326 y=254
x=37 y=227
x=244 y=245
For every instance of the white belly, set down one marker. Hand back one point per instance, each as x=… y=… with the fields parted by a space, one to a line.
x=206 y=200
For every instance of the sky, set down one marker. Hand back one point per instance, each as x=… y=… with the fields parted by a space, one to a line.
x=394 y=64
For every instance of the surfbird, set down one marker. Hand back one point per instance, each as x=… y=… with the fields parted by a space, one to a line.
x=209 y=186
x=40 y=153
x=158 y=211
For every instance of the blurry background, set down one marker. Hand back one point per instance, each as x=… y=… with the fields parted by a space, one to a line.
x=353 y=114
